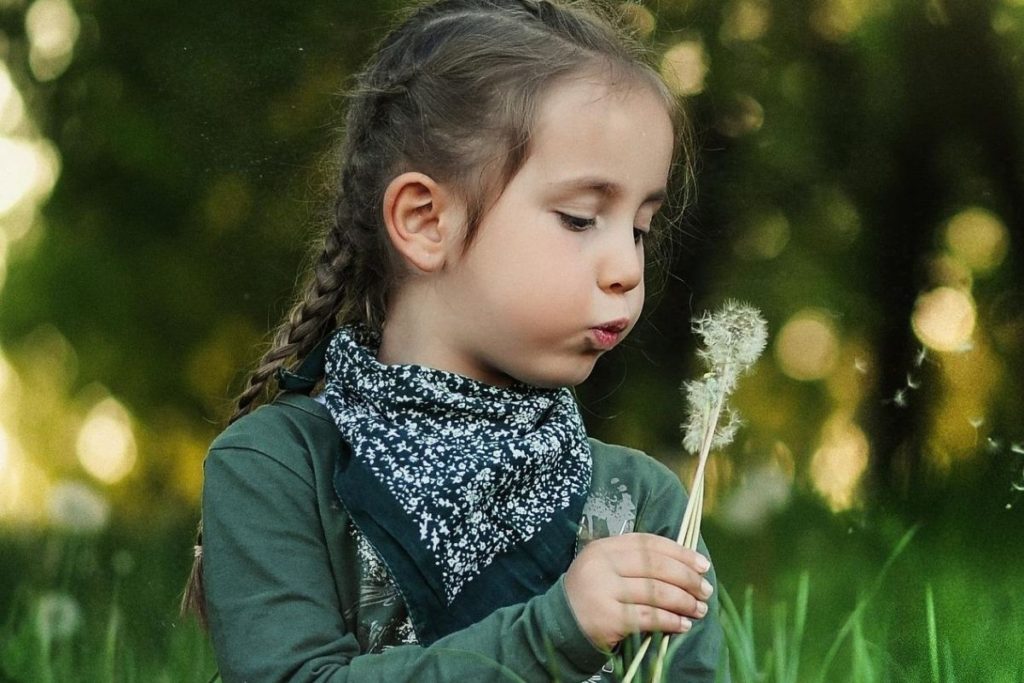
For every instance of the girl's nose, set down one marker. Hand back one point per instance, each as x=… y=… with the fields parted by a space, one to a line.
x=622 y=266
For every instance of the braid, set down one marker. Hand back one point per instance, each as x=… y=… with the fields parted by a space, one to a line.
x=309 y=319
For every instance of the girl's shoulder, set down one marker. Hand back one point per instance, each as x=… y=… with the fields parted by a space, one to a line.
x=631 y=468
x=294 y=430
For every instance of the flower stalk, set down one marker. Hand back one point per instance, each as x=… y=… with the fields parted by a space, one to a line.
x=733 y=339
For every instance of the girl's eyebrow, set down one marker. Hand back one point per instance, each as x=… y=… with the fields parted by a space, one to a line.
x=605 y=187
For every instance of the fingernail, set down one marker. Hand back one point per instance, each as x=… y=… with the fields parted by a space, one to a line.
x=702 y=608
x=685 y=624
x=705 y=588
x=703 y=564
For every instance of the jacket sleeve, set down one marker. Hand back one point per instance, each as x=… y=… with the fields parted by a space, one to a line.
x=702 y=657
x=275 y=615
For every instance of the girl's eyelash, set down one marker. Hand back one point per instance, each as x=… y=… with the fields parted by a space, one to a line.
x=579 y=224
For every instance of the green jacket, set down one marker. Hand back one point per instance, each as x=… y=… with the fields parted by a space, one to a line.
x=294 y=593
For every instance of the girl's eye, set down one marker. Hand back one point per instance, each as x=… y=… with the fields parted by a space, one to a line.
x=575 y=223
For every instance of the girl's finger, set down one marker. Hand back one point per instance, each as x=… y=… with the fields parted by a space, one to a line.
x=647 y=619
x=661 y=595
x=667 y=569
x=641 y=544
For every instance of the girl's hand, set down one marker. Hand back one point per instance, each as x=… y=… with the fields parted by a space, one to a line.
x=636 y=582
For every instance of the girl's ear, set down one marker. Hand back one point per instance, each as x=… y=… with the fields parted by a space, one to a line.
x=423 y=220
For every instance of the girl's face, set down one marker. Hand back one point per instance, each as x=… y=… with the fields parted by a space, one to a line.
x=561 y=251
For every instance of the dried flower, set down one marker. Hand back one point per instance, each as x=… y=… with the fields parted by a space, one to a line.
x=734 y=338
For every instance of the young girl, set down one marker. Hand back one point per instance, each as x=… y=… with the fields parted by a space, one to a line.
x=419 y=501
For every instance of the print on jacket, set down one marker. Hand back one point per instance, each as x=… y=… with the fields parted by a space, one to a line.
x=382 y=619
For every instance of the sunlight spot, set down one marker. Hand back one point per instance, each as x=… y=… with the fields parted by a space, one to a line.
x=106 y=444
x=684 y=67
x=1004 y=21
x=840 y=461
x=3 y=278
x=28 y=172
x=745 y=20
x=807 y=347
x=944 y=318
x=52 y=28
x=5 y=451
x=12 y=105
x=978 y=239
x=23 y=485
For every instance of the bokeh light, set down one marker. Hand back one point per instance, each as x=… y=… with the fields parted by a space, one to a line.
x=978 y=239
x=745 y=20
x=106 y=444
x=836 y=20
x=12 y=105
x=684 y=67
x=28 y=172
x=807 y=346
x=839 y=462
x=944 y=318
x=742 y=115
x=763 y=236
x=52 y=28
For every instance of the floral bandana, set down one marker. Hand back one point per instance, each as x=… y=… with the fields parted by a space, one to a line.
x=470 y=493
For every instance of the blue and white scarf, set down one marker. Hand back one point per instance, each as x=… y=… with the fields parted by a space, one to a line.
x=470 y=493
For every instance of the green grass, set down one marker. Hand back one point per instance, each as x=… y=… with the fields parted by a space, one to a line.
x=909 y=608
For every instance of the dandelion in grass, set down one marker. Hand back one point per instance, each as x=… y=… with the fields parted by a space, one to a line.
x=58 y=617
x=78 y=508
x=733 y=338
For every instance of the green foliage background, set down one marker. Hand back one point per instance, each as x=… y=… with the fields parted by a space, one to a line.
x=193 y=143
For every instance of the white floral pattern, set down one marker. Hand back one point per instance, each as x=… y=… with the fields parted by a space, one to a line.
x=479 y=468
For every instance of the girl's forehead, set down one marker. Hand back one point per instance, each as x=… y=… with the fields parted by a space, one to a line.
x=593 y=127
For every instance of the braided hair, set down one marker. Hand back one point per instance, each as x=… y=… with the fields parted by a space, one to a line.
x=451 y=92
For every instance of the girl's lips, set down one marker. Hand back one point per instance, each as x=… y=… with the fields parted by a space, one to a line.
x=605 y=338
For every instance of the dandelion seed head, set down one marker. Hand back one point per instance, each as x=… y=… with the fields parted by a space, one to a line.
x=78 y=508
x=900 y=398
x=700 y=396
x=58 y=616
x=735 y=335
x=726 y=432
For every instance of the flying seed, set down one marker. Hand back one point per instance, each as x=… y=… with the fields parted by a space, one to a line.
x=912 y=383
